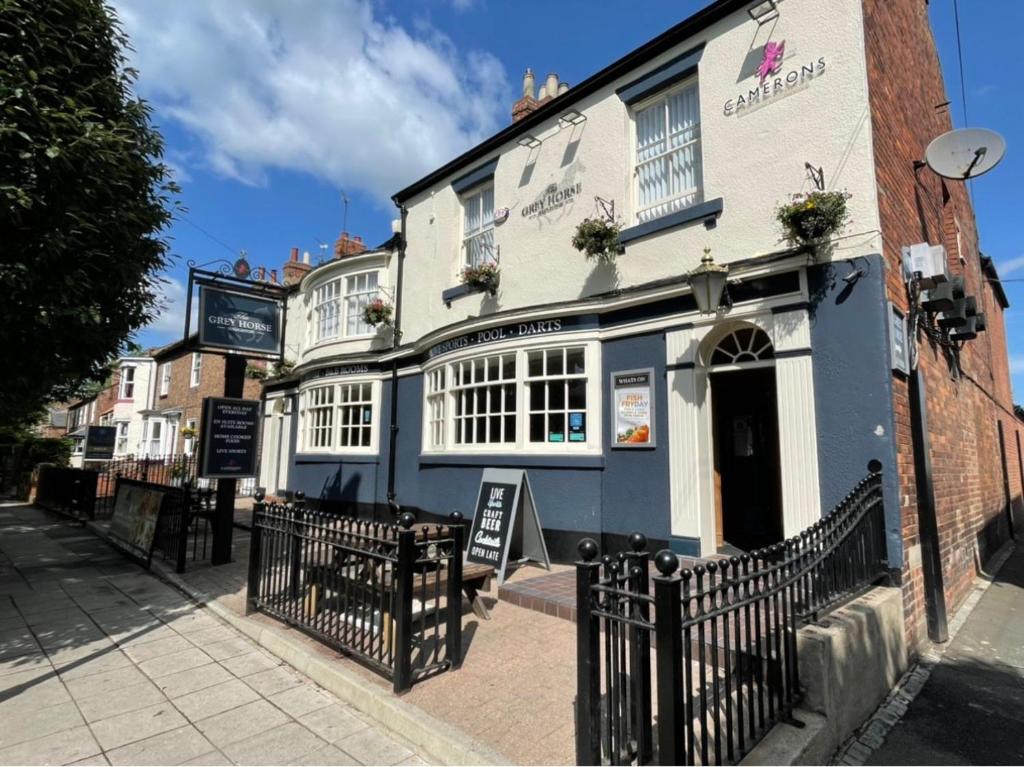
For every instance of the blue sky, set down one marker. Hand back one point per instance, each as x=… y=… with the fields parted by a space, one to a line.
x=271 y=109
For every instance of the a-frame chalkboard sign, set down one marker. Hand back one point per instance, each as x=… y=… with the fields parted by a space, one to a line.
x=506 y=528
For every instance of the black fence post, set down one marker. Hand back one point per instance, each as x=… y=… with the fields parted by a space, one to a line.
x=402 y=610
x=588 y=660
x=183 y=524
x=668 y=609
x=296 y=523
x=255 y=553
x=453 y=631
x=640 y=647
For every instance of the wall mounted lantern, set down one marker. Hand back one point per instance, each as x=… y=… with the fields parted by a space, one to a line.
x=572 y=117
x=529 y=141
x=764 y=11
x=707 y=282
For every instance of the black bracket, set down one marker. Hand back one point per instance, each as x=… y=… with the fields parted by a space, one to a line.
x=816 y=175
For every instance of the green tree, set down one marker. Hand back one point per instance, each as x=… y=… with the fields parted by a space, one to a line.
x=84 y=200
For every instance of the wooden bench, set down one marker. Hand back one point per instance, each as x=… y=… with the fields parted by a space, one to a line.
x=475 y=578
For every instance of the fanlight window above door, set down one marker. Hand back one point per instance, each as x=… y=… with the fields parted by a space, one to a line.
x=743 y=345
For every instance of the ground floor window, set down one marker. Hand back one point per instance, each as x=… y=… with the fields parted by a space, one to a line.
x=122 y=437
x=340 y=416
x=538 y=398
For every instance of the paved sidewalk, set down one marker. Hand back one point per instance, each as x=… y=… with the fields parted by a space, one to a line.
x=102 y=663
x=971 y=709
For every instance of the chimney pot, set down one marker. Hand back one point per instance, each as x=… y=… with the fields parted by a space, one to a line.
x=552 y=85
x=562 y=88
x=305 y=257
x=273 y=276
x=528 y=83
x=295 y=254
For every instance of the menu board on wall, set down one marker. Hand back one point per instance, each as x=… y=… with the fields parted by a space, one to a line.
x=506 y=526
x=633 y=408
x=99 y=443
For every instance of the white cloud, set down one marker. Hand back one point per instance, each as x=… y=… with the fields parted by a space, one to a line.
x=169 y=323
x=332 y=89
x=1010 y=265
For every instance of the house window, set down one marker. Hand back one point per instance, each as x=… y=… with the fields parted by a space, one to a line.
x=155 y=434
x=189 y=436
x=107 y=419
x=327 y=310
x=536 y=398
x=320 y=418
x=355 y=415
x=668 y=154
x=165 y=379
x=436 y=396
x=359 y=289
x=557 y=391
x=122 y=437
x=478 y=226
x=197 y=369
x=127 y=383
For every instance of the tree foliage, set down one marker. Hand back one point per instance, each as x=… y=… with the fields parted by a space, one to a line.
x=84 y=199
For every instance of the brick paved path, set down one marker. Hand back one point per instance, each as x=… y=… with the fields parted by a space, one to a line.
x=102 y=663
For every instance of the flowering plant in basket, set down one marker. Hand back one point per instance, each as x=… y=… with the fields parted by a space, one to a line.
x=482 y=276
x=810 y=218
x=377 y=312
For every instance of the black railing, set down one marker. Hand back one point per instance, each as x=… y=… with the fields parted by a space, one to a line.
x=724 y=637
x=385 y=595
x=175 y=470
x=71 y=491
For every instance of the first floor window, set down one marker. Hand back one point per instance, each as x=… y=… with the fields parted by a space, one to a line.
x=667 y=165
x=165 y=379
x=327 y=310
x=478 y=226
x=127 y=383
x=530 y=397
x=197 y=369
x=320 y=417
x=359 y=290
x=122 y=437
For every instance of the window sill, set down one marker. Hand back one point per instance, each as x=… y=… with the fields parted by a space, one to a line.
x=449 y=295
x=336 y=457
x=515 y=460
x=708 y=211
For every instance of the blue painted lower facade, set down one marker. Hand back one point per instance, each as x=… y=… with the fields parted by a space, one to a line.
x=619 y=491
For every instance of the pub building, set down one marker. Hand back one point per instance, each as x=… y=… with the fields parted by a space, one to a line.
x=628 y=406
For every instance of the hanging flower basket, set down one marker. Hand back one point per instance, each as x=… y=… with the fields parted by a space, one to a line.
x=188 y=432
x=378 y=312
x=810 y=218
x=481 y=277
x=598 y=238
x=256 y=372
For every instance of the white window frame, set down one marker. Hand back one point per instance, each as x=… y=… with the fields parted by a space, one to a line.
x=165 y=379
x=521 y=445
x=337 y=409
x=327 y=317
x=669 y=204
x=196 y=370
x=126 y=387
x=189 y=442
x=354 y=301
x=484 y=232
x=154 y=437
x=121 y=443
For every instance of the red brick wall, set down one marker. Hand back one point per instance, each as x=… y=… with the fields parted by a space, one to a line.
x=189 y=399
x=905 y=84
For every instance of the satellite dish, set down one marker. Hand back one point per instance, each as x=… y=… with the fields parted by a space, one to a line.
x=966 y=153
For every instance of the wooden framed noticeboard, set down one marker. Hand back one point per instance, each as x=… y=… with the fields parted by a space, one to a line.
x=137 y=508
x=506 y=527
x=230 y=433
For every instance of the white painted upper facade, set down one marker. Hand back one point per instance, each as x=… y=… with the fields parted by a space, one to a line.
x=751 y=157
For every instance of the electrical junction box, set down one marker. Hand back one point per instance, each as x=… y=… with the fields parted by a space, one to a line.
x=927 y=260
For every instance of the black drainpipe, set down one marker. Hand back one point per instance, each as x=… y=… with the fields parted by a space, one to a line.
x=396 y=341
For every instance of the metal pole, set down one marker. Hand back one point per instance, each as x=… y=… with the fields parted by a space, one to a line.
x=668 y=632
x=1006 y=479
x=224 y=513
x=927 y=524
x=396 y=340
x=588 y=660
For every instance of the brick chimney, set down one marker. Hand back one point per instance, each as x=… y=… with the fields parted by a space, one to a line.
x=348 y=246
x=528 y=102
x=294 y=270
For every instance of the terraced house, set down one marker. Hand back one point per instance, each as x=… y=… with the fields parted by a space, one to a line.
x=632 y=404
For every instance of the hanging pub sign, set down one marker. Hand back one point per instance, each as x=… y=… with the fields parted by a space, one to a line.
x=230 y=430
x=240 y=321
x=633 y=408
x=506 y=527
x=99 y=443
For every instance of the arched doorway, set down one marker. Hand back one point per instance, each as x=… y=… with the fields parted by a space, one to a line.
x=745 y=439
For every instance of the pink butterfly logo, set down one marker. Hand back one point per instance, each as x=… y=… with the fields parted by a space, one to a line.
x=771 y=61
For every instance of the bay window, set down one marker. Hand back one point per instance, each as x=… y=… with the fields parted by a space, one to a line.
x=339 y=417
x=667 y=164
x=538 y=398
x=478 y=226
x=338 y=306
x=127 y=390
